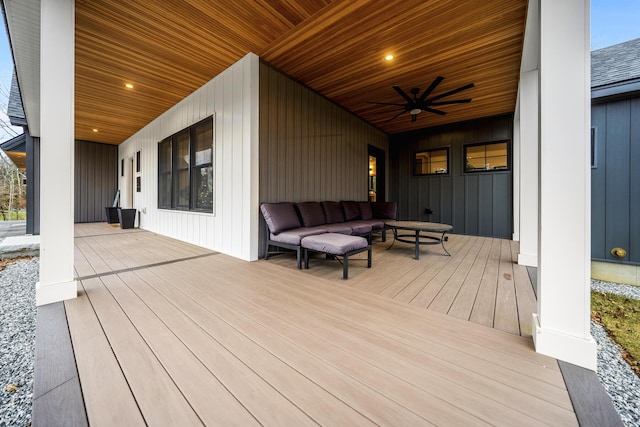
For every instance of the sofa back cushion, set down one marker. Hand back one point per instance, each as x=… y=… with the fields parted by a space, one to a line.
x=280 y=216
x=351 y=211
x=333 y=212
x=311 y=213
x=385 y=210
x=365 y=210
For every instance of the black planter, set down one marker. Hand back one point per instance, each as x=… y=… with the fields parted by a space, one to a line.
x=112 y=215
x=127 y=217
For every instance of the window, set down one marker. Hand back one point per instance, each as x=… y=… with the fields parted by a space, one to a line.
x=185 y=169
x=137 y=161
x=432 y=162
x=486 y=157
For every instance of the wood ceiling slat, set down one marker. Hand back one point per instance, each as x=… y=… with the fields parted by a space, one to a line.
x=168 y=49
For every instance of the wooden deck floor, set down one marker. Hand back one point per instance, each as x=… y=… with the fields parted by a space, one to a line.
x=480 y=282
x=165 y=333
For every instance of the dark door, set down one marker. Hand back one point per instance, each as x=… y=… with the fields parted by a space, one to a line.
x=376 y=174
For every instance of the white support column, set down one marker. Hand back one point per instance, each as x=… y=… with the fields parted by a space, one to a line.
x=57 y=26
x=562 y=326
x=529 y=123
x=516 y=174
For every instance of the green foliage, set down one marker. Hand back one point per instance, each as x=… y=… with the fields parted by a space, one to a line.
x=620 y=316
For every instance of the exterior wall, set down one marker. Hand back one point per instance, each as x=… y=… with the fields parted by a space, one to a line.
x=615 y=181
x=310 y=148
x=232 y=228
x=477 y=204
x=96 y=180
x=33 y=184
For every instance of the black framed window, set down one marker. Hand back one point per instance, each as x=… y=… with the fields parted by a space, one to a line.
x=137 y=161
x=431 y=162
x=487 y=157
x=185 y=169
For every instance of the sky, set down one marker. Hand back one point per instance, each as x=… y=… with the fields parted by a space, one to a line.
x=612 y=22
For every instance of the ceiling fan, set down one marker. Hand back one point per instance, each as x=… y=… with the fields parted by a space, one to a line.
x=416 y=105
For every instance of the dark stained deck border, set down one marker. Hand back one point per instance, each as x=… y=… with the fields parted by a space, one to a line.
x=57 y=396
x=591 y=403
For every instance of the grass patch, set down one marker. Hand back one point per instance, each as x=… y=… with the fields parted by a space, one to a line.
x=12 y=216
x=620 y=316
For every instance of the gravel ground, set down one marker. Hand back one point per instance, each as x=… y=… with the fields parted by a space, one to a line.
x=620 y=382
x=17 y=341
x=18 y=329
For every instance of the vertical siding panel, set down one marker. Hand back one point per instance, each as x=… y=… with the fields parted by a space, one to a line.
x=485 y=205
x=502 y=207
x=617 y=176
x=634 y=190
x=92 y=191
x=598 y=201
x=471 y=219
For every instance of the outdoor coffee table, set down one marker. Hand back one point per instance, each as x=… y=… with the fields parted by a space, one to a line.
x=416 y=228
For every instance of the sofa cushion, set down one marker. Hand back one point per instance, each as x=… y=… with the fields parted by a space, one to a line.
x=365 y=210
x=351 y=210
x=341 y=228
x=385 y=210
x=280 y=216
x=331 y=243
x=359 y=227
x=311 y=214
x=376 y=224
x=295 y=235
x=333 y=212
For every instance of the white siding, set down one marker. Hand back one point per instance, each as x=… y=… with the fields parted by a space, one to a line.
x=232 y=97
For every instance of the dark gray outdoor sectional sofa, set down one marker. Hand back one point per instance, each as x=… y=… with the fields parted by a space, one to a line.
x=288 y=223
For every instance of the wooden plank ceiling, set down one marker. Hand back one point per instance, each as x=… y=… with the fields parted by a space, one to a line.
x=167 y=49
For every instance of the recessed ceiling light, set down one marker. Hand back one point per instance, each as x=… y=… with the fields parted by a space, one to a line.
x=95 y=130
x=128 y=85
x=388 y=58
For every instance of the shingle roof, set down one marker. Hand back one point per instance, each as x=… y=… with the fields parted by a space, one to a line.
x=617 y=63
x=14 y=106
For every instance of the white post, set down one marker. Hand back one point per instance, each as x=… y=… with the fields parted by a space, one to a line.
x=529 y=123
x=516 y=174
x=57 y=28
x=562 y=324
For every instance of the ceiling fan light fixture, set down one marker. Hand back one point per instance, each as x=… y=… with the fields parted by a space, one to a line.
x=415 y=111
x=388 y=57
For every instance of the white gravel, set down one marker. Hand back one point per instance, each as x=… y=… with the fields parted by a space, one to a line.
x=17 y=340
x=616 y=376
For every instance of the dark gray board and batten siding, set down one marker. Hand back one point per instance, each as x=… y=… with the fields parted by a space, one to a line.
x=474 y=203
x=96 y=180
x=310 y=148
x=615 y=180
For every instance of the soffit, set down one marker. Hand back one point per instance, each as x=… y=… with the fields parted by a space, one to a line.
x=168 y=49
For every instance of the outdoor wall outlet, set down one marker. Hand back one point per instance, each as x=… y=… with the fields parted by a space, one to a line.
x=144 y=210
x=428 y=211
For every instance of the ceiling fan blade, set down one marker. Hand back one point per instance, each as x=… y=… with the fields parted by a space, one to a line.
x=431 y=87
x=456 y=101
x=399 y=114
x=451 y=92
x=433 y=110
x=386 y=103
x=402 y=94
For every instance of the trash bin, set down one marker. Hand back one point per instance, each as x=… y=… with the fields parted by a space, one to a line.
x=112 y=215
x=127 y=217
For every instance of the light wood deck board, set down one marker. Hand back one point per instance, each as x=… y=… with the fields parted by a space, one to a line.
x=409 y=364
x=506 y=310
x=484 y=307
x=158 y=398
x=101 y=376
x=292 y=348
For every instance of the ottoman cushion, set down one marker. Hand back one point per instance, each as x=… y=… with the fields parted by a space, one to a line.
x=334 y=243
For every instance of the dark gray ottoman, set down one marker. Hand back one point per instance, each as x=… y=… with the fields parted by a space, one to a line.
x=338 y=245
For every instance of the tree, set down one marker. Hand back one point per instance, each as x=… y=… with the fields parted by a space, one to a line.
x=12 y=189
